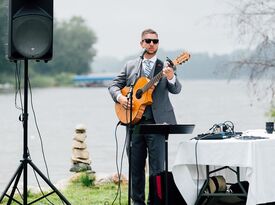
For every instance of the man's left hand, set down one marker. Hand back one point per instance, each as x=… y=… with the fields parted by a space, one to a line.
x=168 y=72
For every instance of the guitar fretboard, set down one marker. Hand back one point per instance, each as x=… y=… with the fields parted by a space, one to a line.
x=179 y=60
x=153 y=81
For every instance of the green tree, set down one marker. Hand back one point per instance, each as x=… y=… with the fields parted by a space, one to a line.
x=73 y=49
x=6 y=68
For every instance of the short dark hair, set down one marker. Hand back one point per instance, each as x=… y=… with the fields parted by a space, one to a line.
x=146 y=31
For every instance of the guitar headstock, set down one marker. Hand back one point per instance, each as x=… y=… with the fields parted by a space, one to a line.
x=182 y=58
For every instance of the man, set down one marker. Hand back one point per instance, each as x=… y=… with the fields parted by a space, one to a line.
x=161 y=111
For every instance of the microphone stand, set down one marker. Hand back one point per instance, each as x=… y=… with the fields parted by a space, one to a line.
x=131 y=126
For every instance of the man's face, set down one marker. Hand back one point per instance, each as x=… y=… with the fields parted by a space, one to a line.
x=150 y=42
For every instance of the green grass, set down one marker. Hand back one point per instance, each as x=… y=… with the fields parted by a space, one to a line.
x=105 y=194
x=78 y=194
x=83 y=191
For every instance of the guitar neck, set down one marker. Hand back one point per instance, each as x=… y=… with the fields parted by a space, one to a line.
x=153 y=81
x=179 y=60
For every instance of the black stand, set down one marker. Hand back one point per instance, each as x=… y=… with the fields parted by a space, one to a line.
x=130 y=146
x=131 y=127
x=165 y=129
x=23 y=167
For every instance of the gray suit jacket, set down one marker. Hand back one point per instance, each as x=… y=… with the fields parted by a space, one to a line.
x=162 y=108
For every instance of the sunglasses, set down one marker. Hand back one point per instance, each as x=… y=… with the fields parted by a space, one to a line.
x=148 y=41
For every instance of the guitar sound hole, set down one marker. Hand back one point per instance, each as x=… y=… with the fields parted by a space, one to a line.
x=139 y=94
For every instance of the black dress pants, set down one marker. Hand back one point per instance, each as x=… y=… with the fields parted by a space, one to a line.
x=152 y=145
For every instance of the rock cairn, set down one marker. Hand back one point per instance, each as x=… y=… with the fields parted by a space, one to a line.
x=80 y=155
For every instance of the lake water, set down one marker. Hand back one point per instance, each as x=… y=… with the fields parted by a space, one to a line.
x=59 y=110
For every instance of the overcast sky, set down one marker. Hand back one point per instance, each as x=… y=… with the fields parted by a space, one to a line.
x=192 y=25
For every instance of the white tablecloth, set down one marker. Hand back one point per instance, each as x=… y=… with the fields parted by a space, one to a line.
x=256 y=158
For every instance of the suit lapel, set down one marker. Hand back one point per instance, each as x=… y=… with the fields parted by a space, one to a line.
x=138 y=67
x=132 y=70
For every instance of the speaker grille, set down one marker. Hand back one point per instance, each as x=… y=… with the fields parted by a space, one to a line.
x=32 y=35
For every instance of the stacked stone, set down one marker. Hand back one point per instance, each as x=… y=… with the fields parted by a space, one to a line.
x=80 y=154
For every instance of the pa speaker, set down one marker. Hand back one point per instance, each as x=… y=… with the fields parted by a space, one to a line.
x=30 y=29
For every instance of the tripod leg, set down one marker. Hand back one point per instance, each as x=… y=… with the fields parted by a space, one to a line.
x=25 y=182
x=15 y=185
x=16 y=175
x=49 y=183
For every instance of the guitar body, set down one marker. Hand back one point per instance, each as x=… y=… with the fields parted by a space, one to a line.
x=138 y=104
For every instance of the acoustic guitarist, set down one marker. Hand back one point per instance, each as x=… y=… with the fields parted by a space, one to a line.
x=160 y=110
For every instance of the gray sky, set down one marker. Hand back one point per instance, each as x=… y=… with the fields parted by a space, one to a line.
x=188 y=25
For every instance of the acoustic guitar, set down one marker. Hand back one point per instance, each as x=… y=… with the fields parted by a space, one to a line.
x=142 y=93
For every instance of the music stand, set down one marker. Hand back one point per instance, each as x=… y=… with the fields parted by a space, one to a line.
x=165 y=129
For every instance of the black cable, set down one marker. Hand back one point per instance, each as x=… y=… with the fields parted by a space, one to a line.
x=18 y=92
x=118 y=189
x=197 y=163
x=41 y=144
x=227 y=125
x=122 y=157
x=38 y=130
x=196 y=159
x=197 y=166
x=39 y=186
x=119 y=169
x=196 y=153
x=19 y=192
x=17 y=76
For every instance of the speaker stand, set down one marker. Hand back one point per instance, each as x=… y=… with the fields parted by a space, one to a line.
x=23 y=166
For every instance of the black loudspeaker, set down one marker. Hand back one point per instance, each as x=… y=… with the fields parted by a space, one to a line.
x=30 y=29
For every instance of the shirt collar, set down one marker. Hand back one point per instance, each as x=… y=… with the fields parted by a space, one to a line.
x=153 y=59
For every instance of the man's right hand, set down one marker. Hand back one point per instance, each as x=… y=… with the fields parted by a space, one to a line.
x=124 y=101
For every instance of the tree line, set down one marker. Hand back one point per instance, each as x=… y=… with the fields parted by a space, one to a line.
x=73 y=48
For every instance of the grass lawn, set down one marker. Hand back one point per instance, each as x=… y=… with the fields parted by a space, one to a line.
x=77 y=194
x=82 y=191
